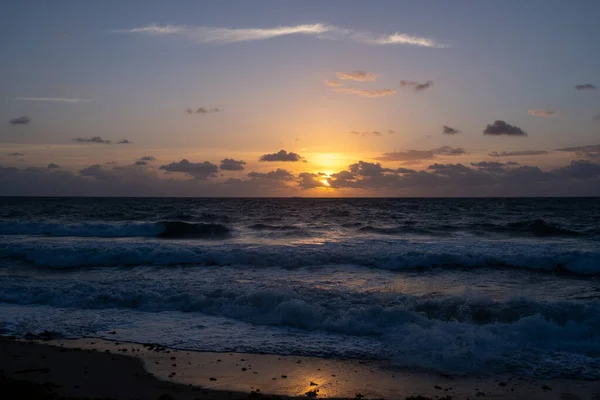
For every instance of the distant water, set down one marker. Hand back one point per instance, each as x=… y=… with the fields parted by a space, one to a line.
x=451 y=285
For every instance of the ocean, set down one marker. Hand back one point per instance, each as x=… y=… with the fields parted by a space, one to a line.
x=459 y=286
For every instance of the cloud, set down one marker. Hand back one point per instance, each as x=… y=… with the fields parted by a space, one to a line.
x=229 y=164
x=16 y=154
x=141 y=163
x=585 y=86
x=391 y=131
x=592 y=151
x=360 y=76
x=418 y=87
x=502 y=128
x=94 y=139
x=202 y=110
x=278 y=174
x=417 y=155
x=371 y=133
x=281 y=155
x=124 y=141
x=365 y=92
x=309 y=180
x=449 y=130
x=332 y=83
x=147 y=158
x=597 y=117
x=95 y=171
x=202 y=170
x=491 y=166
x=542 y=113
x=578 y=178
x=518 y=153
x=205 y=34
x=55 y=99
x=53 y=166
x=24 y=120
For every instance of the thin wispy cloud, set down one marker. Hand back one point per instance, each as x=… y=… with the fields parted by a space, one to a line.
x=55 y=99
x=542 y=113
x=518 y=153
x=94 y=139
x=369 y=133
x=361 y=76
x=365 y=92
x=205 y=34
x=332 y=83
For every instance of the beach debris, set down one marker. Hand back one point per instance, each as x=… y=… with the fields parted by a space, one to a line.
x=212 y=379
x=312 y=393
x=313 y=383
x=546 y=387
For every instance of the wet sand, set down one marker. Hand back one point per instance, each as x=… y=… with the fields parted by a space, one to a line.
x=94 y=368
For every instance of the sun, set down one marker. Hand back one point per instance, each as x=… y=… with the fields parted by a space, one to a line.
x=325 y=182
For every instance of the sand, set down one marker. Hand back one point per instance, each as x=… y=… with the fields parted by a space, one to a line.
x=94 y=368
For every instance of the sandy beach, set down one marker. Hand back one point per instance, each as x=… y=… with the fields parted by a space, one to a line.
x=92 y=368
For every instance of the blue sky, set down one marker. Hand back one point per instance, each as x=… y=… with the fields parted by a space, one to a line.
x=132 y=68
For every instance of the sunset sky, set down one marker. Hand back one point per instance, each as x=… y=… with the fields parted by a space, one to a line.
x=300 y=98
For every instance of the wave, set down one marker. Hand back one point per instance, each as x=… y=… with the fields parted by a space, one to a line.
x=536 y=227
x=165 y=229
x=397 y=256
x=394 y=230
x=527 y=228
x=461 y=333
x=267 y=227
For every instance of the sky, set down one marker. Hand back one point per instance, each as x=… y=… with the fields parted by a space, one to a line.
x=300 y=98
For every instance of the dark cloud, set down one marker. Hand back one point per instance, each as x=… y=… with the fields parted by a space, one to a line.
x=592 y=151
x=202 y=170
x=202 y=110
x=502 y=128
x=580 y=169
x=418 y=87
x=124 y=141
x=579 y=178
x=95 y=171
x=391 y=131
x=94 y=139
x=147 y=158
x=417 y=155
x=491 y=166
x=449 y=130
x=24 y=120
x=16 y=154
x=229 y=164
x=53 y=166
x=518 y=153
x=371 y=133
x=585 y=86
x=281 y=155
x=141 y=163
x=308 y=180
x=278 y=174
x=597 y=117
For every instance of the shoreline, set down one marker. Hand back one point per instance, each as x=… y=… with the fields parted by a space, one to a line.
x=84 y=368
